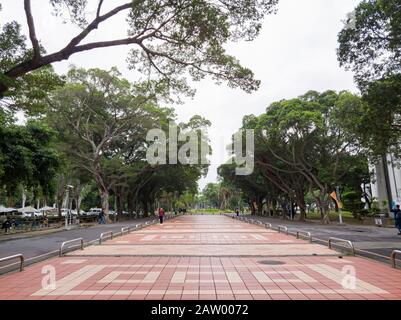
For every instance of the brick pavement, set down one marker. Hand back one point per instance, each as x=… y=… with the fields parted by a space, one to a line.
x=205 y=257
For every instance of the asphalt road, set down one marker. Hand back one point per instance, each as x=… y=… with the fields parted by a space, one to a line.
x=35 y=245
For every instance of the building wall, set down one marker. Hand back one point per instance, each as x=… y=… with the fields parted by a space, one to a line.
x=378 y=185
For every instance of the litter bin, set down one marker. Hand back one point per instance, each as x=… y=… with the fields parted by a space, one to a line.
x=380 y=220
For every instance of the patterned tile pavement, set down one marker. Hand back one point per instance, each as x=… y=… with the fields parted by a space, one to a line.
x=239 y=265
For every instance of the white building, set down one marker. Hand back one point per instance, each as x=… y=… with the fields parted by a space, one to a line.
x=386 y=182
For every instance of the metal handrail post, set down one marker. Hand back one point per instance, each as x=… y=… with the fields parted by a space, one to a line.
x=103 y=234
x=342 y=240
x=307 y=234
x=70 y=241
x=284 y=228
x=20 y=256
x=393 y=255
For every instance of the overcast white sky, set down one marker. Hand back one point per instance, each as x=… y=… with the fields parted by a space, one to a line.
x=295 y=52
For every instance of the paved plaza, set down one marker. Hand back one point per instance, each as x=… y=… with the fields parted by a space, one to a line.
x=205 y=257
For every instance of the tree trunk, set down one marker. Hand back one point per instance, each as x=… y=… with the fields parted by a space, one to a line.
x=325 y=212
x=285 y=211
x=23 y=197
x=302 y=207
x=145 y=208
x=10 y=201
x=274 y=208
x=303 y=214
x=119 y=203
x=104 y=196
x=78 y=201
x=59 y=206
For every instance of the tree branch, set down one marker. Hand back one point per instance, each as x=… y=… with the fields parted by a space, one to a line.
x=99 y=8
x=32 y=32
x=94 y=24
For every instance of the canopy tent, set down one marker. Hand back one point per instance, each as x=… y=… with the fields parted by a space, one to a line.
x=47 y=208
x=6 y=210
x=28 y=209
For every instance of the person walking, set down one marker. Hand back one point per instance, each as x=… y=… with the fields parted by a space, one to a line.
x=397 y=218
x=101 y=217
x=161 y=215
x=7 y=225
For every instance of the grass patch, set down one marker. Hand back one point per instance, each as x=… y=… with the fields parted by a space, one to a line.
x=332 y=215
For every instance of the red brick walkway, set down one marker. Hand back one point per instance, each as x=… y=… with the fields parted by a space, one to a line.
x=205 y=257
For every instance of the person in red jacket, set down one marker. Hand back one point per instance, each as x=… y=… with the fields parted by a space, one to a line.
x=161 y=215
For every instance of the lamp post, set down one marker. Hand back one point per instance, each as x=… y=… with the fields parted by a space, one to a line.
x=69 y=204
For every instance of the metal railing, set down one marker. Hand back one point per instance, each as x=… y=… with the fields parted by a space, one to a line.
x=70 y=241
x=279 y=228
x=125 y=229
x=102 y=235
x=25 y=262
x=393 y=255
x=331 y=239
x=307 y=235
x=366 y=254
x=20 y=256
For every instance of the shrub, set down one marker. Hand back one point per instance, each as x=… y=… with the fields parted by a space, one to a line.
x=352 y=202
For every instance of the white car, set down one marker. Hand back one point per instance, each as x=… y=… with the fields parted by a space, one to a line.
x=64 y=212
x=29 y=214
x=94 y=211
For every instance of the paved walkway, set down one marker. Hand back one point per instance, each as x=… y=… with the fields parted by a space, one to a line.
x=205 y=257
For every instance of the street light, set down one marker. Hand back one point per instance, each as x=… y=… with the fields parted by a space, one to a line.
x=69 y=204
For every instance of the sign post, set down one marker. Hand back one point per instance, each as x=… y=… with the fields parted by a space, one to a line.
x=336 y=196
x=340 y=205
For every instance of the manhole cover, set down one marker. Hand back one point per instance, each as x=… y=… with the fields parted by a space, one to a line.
x=271 y=262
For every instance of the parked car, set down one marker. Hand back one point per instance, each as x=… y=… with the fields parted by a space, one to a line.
x=64 y=212
x=94 y=211
x=27 y=214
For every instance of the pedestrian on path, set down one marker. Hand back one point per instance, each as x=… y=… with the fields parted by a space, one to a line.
x=161 y=215
x=7 y=225
x=397 y=218
x=102 y=217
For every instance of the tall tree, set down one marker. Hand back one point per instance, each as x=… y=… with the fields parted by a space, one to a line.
x=303 y=146
x=92 y=113
x=28 y=158
x=370 y=45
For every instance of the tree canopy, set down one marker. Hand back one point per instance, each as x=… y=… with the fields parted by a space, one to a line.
x=170 y=39
x=301 y=146
x=370 y=45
